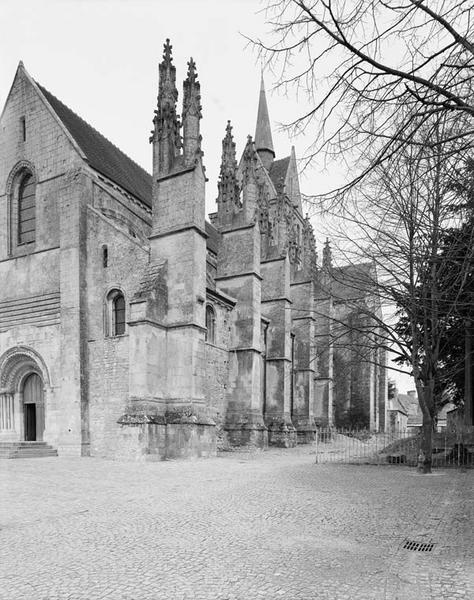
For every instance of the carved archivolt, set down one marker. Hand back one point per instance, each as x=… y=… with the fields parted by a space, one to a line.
x=22 y=165
x=18 y=362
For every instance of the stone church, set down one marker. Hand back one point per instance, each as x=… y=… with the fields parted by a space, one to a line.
x=133 y=327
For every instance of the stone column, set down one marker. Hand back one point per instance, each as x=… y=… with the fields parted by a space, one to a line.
x=7 y=415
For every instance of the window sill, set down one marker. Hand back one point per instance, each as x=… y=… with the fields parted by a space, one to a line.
x=116 y=337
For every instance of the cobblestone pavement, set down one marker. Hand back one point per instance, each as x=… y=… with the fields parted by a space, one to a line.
x=242 y=526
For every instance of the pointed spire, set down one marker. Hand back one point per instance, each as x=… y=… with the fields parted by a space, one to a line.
x=191 y=92
x=327 y=256
x=191 y=116
x=167 y=92
x=229 y=162
x=249 y=160
x=166 y=133
x=263 y=131
x=228 y=200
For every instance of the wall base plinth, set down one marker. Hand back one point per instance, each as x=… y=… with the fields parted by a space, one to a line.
x=281 y=432
x=245 y=430
x=305 y=430
x=147 y=435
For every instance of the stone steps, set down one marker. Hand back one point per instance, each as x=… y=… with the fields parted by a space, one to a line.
x=26 y=450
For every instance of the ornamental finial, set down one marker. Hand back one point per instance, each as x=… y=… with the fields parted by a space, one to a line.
x=167 y=51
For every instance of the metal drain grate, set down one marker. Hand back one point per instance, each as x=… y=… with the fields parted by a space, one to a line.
x=418 y=546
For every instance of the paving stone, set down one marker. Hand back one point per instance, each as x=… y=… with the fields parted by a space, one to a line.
x=266 y=525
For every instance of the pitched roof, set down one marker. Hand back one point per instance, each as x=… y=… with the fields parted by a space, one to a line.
x=110 y=161
x=101 y=154
x=279 y=169
x=213 y=238
x=353 y=282
x=396 y=404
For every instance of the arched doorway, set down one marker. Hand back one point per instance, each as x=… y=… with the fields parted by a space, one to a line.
x=33 y=408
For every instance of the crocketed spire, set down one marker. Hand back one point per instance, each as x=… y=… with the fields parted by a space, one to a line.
x=191 y=116
x=228 y=187
x=166 y=134
x=327 y=255
x=191 y=92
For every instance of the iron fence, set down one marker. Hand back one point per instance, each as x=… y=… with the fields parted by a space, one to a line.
x=334 y=445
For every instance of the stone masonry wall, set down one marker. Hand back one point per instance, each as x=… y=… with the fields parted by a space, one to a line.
x=217 y=370
x=32 y=273
x=113 y=225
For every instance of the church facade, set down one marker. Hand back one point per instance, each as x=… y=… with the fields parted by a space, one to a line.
x=133 y=327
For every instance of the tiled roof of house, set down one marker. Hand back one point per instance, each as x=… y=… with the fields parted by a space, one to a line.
x=398 y=405
x=279 y=169
x=101 y=154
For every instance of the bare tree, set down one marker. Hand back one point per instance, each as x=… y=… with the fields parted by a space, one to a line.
x=371 y=72
x=388 y=87
x=397 y=221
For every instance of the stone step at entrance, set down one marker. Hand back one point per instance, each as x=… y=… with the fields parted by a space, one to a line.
x=26 y=450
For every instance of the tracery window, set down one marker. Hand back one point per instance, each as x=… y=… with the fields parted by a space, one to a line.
x=26 y=208
x=210 y=324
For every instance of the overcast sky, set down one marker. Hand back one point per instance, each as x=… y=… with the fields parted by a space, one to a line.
x=100 y=57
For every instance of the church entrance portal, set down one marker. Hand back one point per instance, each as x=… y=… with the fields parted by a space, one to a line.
x=33 y=408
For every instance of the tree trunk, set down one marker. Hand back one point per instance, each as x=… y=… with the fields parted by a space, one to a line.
x=426 y=447
x=426 y=402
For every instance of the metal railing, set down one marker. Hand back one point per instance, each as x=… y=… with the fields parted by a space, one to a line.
x=361 y=446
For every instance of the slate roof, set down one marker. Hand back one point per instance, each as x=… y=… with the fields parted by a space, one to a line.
x=397 y=404
x=110 y=161
x=101 y=154
x=213 y=238
x=353 y=282
x=279 y=169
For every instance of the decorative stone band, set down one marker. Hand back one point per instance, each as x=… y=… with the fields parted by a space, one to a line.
x=235 y=275
x=34 y=310
x=175 y=173
x=295 y=283
x=183 y=229
x=279 y=299
x=148 y=415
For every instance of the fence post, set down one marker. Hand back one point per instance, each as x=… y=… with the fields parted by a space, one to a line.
x=317 y=446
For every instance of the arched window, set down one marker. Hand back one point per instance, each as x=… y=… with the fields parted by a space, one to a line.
x=118 y=314
x=210 y=324
x=115 y=313
x=26 y=208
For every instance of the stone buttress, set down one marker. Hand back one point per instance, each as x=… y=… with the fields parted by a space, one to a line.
x=324 y=315
x=238 y=275
x=304 y=328
x=167 y=413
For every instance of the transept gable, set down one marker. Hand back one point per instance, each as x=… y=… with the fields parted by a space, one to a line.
x=26 y=115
